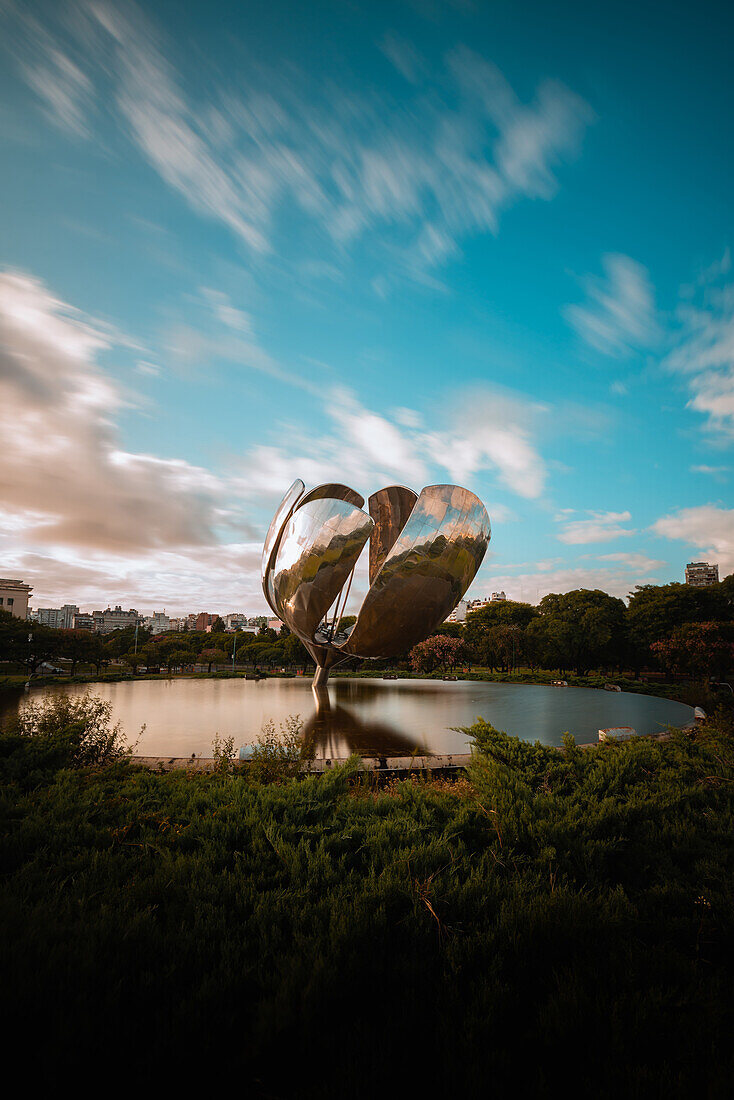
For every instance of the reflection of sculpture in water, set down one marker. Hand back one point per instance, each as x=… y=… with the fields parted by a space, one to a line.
x=335 y=732
x=424 y=553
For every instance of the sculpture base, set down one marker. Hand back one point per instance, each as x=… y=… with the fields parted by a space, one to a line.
x=320 y=676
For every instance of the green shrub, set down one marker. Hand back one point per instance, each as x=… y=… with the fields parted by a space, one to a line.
x=60 y=731
x=279 y=756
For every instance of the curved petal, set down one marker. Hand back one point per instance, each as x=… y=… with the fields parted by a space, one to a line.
x=334 y=491
x=316 y=553
x=425 y=574
x=281 y=517
x=390 y=508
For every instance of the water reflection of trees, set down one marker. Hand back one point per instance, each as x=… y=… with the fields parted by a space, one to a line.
x=334 y=731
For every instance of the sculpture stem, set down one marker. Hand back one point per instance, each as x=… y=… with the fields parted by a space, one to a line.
x=320 y=676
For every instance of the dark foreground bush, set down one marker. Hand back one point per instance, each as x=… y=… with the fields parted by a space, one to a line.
x=561 y=919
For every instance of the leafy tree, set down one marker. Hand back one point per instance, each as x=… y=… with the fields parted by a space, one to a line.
x=500 y=647
x=119 y=642
x=99 y=655
x=583 y=629
x=698 y=650
x=179 y=658
x=134 y=660
x=502 y=613
x=450 y=630
x=656 y=610
x=218 y=626
x=438 y=651
x=212 y=656
x=77 y=646
x=480 y=634
x=44 y=646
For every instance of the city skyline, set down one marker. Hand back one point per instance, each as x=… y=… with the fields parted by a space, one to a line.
x=412 y=243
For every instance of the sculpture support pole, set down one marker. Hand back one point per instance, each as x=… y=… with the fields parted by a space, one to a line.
x=320 y=676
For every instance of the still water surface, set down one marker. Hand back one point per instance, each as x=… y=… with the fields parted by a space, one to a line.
x=181 y=717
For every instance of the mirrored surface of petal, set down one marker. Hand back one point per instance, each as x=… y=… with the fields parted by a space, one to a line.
x=282 y=514
x=390 y=508
x=425 y=574
x=316 y=553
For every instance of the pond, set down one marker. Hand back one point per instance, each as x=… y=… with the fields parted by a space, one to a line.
x=367 y=716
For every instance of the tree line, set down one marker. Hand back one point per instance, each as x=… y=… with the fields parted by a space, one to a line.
x=674 y=628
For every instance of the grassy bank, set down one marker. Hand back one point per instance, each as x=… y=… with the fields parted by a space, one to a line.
x=554 y=918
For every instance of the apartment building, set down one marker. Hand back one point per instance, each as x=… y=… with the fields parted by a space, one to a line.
x=700 y=574
x=60 y=618
x=14 y=597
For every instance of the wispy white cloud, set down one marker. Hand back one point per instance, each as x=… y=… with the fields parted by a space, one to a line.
x=213 y=331
x=704 y=355
x=404 y=56
x=619 y=316
x=708 y=528
x=426 y=174
x=486 y=431
x=719 y=473
x=619 y=578
x=599 y=527
x=51 y=64
x=640 y=562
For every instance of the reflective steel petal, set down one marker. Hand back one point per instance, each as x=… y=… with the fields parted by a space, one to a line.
x=335 y=491
x=425 y=574
x=390 y=508
x=282 y=514
x=315 y=555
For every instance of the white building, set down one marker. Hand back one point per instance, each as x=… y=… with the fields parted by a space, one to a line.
x=61 y=618
x=458 y=615
x=14 y=596
x=497 y=597
x=159 y=623
x=114 y=618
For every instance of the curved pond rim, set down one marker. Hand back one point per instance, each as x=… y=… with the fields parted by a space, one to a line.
x=180 y=716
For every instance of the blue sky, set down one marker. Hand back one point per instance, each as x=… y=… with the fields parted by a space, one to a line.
x=408 y=242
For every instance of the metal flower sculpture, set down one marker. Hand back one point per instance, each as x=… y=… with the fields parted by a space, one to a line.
x=424 y=553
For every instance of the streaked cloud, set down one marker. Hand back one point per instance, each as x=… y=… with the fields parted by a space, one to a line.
x=423 y=175
x=599 y=527
x=619 y=578
x=704 y=353
x=485 y=431
x=66 y=470
x=619 y=315
x=708 y=527
x=718 y=473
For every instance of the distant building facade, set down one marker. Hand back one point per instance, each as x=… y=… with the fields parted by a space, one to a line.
x=14 y=596
x=237 y=620
x=159 y=623
x=60 y=618
x=83 y=620
x=497 y=597
x=114 y=618
x=458 y=615
x=700 y=574
x=203 y=620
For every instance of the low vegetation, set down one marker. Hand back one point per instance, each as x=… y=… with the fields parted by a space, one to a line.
x=549 y=919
